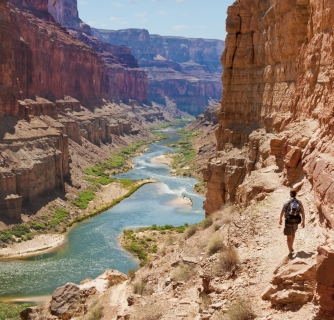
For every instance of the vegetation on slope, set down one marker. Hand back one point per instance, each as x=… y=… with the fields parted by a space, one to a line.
x=9 y=311
x=144 y=241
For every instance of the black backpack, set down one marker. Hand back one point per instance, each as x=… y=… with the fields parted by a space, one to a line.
x=292 y=214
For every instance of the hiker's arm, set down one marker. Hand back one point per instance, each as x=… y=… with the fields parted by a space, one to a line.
x=303 y=215
x=281 y=218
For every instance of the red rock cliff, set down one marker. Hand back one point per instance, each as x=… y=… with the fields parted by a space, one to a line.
x=9 y=88
x=277 y=110
x=186 y=70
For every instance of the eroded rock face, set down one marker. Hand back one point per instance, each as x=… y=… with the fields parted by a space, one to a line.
x=9 y=89
x=278 y=66
x=185 y=70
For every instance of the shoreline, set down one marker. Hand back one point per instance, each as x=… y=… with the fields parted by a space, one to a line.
x=53 y=242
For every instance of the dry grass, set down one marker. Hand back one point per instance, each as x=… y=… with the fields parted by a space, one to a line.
x=228 y=259
x=131 y=273
x=205 y=301
x=206 y=223
x=190 y=231
x=96 y=312
x=214 y=245
x=183 y=272
x=142 y=288
x=240 y=310
x=150 y=311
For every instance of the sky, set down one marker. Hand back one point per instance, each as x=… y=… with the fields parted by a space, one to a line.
x=187 y=18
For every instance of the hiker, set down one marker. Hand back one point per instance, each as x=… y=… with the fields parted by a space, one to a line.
x=293 y=211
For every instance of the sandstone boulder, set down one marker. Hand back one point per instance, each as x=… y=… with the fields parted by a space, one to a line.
x=294 y=281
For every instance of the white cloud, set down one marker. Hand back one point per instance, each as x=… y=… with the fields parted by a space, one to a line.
x=118 y=21
x=140 y=14
x=180 y=27
x=163 y=13
x=83 y=2
x=116 y=4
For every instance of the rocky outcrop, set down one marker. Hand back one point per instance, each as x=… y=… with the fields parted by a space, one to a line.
x=184 y=70
x=277 y=78
x=294 y=281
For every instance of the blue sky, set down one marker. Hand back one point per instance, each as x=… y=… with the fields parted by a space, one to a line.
x=187 y=18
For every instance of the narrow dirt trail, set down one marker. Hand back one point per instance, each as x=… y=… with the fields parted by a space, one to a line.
x=267 y=249
x=115 y=301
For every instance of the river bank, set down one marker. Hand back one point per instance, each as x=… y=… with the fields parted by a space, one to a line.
x=107 y=197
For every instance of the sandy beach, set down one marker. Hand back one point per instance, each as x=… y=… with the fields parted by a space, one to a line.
x=181 y=202
x=24 y=249
x=162 y=160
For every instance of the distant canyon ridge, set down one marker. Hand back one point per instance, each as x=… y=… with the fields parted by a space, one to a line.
x=182 y=70
x=186 y=70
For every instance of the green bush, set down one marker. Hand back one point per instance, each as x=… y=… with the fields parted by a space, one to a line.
x=19 y=230
x=59 y=216
x=84 y=198
x=126 y=182
x=37 y=225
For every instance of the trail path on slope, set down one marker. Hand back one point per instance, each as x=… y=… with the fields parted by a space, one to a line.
x=268 y=248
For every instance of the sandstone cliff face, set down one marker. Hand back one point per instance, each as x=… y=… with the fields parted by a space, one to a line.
x=184 y=70
x=277 y=111
x=9 y=88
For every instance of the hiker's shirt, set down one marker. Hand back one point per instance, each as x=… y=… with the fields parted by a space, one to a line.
x=287 y=204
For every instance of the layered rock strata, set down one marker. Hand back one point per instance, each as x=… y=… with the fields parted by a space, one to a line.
x=184 y=70
x=277 y=111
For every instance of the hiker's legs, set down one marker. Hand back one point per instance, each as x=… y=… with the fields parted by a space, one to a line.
x=290 y=240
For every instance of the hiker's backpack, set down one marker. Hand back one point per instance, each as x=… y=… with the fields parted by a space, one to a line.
x=293 y=211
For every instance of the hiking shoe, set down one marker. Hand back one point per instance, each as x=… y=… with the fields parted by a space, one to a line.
x=290 y=255
x=292 y=251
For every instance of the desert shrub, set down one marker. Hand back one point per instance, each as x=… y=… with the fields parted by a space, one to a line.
x=142 y=288
x=228 y=259
x=240 y=310
x=205 y=301
x=115 y=281
x=150 y=311
x=170 y=241
x=131 y=273
x=183 y=272
x=206 y=223
x=190 y=231
x=96 y=312
x=216 y=226
x=214 y=245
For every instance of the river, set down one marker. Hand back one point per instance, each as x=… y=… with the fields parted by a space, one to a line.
x=92 y=246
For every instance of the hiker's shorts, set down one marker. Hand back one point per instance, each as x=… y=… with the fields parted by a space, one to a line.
x=290 y=230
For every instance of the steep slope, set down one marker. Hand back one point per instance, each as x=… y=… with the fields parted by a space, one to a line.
x=276 y=114
x=184 y=70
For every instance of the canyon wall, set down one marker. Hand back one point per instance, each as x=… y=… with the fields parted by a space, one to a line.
x=277 y=112
x=47 y=78
x=185 y=70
